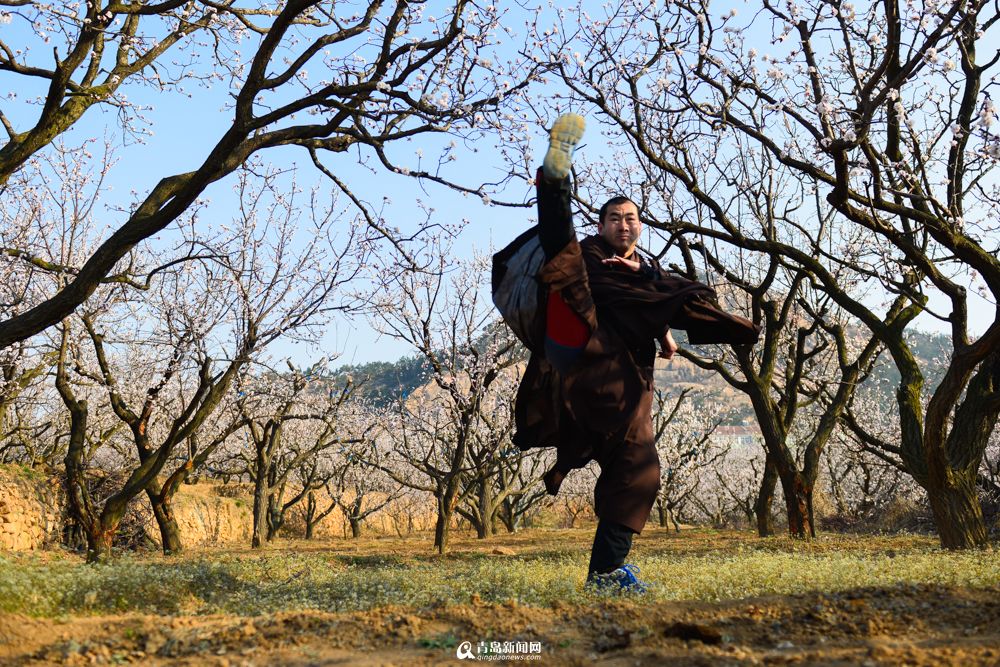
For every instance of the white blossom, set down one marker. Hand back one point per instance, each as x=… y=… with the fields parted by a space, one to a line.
x=988 y=114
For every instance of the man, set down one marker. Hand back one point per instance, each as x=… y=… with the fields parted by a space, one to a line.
x=589 y=391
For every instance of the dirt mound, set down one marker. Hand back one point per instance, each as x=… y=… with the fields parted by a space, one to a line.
x=913 y=625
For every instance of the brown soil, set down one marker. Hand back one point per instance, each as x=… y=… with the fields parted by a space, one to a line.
x=919 y=625
x=911 y=625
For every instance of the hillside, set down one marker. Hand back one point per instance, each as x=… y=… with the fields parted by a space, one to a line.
x=385 y=382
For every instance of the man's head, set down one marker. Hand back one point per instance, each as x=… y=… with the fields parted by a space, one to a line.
x=618 y=223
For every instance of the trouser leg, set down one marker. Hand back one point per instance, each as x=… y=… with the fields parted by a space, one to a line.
x=570 y=316
x=629 y=481
x=555 y=217
x=612 y=543
x=626 y=488
x=566 y=330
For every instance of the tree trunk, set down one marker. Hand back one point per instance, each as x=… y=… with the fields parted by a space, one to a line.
x=74 y=537
x=275 y=516
x=484 y=524
x=447 y=501
x=798 y=501
x=958 y=513
x=765 y=497
x=99 y=544
x=101 y=533
x=662 y=514
x=507 y=517
x=441 y=531
x=259 y=508
x=442 y=525
x=310 y=514
x=954 y=461
x=355 y=527
x=163 y=511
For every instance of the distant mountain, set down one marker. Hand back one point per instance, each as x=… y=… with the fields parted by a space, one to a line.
x=386 y=382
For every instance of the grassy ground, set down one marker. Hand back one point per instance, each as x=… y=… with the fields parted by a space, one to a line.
x=539 y=568
x=538 y=573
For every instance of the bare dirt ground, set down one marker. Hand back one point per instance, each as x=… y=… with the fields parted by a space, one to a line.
x=904 y=625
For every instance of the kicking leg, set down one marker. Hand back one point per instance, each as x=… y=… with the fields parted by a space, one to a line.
x=566 y=331
x=567 y=328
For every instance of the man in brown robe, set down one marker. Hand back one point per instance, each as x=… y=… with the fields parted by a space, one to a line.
x=589 y=393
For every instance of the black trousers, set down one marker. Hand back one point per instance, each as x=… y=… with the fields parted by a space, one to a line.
x=555 y=217
x=612 y=542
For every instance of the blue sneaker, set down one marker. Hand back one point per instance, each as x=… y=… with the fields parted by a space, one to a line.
x=622 y=580
x=565 y=134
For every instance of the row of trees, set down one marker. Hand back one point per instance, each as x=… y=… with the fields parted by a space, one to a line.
x=151 y=385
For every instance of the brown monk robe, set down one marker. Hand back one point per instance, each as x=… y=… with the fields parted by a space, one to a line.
x=600 y=408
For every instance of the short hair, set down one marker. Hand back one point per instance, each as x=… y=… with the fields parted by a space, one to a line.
x=617 y=200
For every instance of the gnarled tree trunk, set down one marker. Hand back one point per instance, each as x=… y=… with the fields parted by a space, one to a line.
x=163 y=512
x=765 y=498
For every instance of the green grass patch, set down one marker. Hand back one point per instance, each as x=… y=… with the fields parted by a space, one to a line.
x=550 y=572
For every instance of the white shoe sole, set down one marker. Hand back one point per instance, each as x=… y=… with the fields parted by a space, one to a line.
x=565 y=134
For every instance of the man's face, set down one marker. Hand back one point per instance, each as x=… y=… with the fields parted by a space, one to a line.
x=621 y=227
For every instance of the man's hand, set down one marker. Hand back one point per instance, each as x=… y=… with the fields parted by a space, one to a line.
x=668 y=346
x=630 y=264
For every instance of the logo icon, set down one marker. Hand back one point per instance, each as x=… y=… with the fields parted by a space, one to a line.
x=464 y=651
